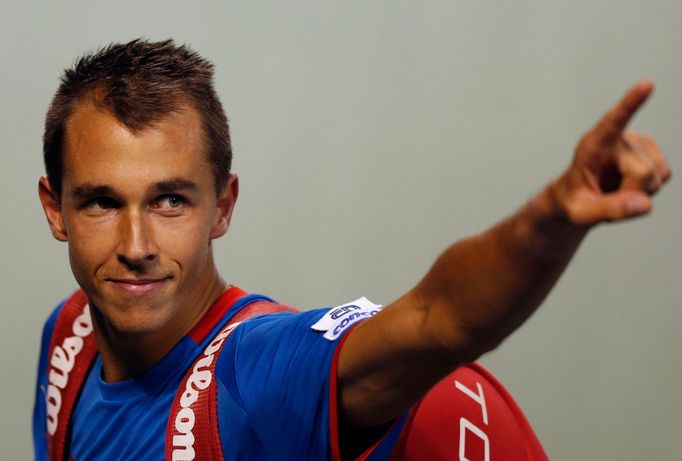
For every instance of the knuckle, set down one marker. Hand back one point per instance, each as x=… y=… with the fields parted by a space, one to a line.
x=663 y=168
x=648 y=139
x=631 y=137
x=653 y=185
x=611 y=210
x=640 y=172
x=589 y=144
x=618 y=210
x=645 y=174
x=574 y=212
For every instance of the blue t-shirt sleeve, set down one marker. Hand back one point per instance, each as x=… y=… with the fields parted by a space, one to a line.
x=39 y=411
x=273 y=395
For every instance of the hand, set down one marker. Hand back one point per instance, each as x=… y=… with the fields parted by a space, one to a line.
x=615 y=172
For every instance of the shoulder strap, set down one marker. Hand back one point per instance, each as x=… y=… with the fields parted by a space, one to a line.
x=72 y=350
x=192 y=431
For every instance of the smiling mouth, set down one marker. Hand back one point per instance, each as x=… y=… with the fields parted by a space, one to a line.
x=138 y=286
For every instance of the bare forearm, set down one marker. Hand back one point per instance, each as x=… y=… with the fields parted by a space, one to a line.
x=485 y=286
x=476 y=293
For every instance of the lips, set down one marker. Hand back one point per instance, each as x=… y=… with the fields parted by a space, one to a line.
x=137 y=286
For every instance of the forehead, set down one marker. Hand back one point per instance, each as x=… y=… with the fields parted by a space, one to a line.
x=98 y=148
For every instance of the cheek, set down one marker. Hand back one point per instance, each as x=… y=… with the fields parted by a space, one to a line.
x=89 y=249
x=187 y=243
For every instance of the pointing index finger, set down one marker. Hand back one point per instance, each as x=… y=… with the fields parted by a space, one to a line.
x=612 y=124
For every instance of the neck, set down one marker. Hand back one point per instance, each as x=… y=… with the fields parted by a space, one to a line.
x=126 y=355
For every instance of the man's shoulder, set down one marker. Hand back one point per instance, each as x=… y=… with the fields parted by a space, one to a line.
x=304 y=337
x=328 y=323
x=291 y=318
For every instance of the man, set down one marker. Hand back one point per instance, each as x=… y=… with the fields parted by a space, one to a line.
x=138 y=184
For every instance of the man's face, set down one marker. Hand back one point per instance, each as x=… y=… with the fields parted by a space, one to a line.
x=139 y=211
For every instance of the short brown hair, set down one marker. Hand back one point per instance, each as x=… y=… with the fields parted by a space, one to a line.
x=139 y=82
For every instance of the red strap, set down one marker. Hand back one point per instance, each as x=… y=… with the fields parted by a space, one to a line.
x=72 y=350
x=215 y=313
x=192 y=431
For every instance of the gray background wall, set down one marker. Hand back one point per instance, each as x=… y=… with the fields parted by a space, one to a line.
x=370 y=135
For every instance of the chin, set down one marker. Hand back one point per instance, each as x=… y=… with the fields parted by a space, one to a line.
x=134 y=320
x=126 y=327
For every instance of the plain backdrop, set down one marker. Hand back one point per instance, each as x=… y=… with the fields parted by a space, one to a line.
x=369 y=135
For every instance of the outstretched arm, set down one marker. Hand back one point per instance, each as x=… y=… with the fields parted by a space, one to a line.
x=482 y=288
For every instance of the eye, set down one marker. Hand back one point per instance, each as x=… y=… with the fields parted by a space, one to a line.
x=101 y=203
x=170 y=203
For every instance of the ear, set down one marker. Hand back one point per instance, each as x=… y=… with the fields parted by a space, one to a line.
x=52 y=209
x=226 y=202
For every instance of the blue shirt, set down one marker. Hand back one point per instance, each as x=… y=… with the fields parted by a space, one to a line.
x=273 y=378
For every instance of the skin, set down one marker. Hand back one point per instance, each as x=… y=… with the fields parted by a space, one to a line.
x=131 y=235
x=482 y=288
x=139 y=211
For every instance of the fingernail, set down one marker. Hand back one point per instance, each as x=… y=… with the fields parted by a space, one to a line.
x=638 y=205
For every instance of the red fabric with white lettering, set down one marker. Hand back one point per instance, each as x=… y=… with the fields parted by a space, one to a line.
x=448 y=423
x=201 y=417
x=63 y=329
x=207 y=418
x=468 y=415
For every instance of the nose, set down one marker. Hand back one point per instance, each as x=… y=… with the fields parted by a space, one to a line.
x=136 y=245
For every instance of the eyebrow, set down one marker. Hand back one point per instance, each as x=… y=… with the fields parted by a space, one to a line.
x=175 y=185
x=90 y=190
x=162 y=187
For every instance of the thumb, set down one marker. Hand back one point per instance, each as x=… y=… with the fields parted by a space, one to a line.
x=622 y=204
